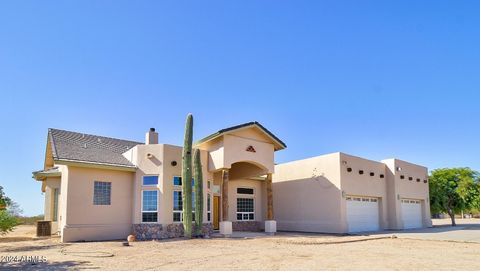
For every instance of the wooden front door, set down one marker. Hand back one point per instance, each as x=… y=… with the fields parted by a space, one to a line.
x=216 y=212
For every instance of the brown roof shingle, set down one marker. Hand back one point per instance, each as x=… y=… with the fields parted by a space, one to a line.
x=73 y=146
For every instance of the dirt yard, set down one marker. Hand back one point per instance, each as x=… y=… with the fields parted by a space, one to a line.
x=281 y=252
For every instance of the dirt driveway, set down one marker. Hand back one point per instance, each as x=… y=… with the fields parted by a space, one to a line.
x=282 y=252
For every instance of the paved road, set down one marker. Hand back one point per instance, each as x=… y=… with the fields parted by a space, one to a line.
x=466 y=231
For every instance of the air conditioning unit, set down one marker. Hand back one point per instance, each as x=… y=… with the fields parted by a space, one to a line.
x=44 y=228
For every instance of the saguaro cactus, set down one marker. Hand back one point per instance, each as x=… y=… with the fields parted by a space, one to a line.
x=198 y=176
x=187 y=177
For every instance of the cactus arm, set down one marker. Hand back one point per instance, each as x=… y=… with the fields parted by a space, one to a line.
x=198 y=176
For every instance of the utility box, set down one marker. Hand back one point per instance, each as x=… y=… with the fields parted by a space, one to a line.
x=44 y=228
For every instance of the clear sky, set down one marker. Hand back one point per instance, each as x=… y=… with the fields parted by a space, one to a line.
x=377 y=79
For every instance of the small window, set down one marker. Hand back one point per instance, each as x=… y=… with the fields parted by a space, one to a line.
x=150 y=206
x=102 y=193
x=209 y=184
x=374 y=200
x=55 y=204
x=150 y=180
x=402 y=177
x=418 y=180
x=245 y=191
x=382 y=176
x=349 y=198
x=410 y=178
x=349 y=169
x=177 y=181
x=360 y=172
x=357 y=199
x=425 y=181
x=372 y=174
x=209 y=213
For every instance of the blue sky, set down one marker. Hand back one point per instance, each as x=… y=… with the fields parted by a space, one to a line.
x=377 y=79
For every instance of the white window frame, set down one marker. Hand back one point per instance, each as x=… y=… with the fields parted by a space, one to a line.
x=209 y=209
x=178 y=188
x=245 y=196
x=142 y=211
x=110 y=195
x=151 y=185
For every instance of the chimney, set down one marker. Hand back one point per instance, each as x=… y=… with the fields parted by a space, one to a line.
x=151 y=137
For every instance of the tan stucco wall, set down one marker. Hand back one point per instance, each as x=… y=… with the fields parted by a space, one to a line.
x=85 y=221
x=307 y=195
x=231 y=148
x=356 y=184
x=235 y=151
x=258 y=188
x=147 y=166
x=174 y=153
x=399 y=189
x=161 y=165
x=52 y=183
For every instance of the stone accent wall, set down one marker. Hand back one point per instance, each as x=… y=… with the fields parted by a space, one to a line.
x=164 y=231
x=247 y=226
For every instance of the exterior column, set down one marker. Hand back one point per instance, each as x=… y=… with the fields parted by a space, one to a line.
x=225 y=179
x=225 y=224
x=270 y=224
x=268 y=182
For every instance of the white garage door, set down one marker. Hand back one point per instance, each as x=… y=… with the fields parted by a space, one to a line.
x=362 y=214
x=411 y=214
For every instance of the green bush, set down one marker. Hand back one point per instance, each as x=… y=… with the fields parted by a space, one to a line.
x=7 y=222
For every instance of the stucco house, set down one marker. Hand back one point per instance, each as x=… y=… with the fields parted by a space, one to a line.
x=101 y=188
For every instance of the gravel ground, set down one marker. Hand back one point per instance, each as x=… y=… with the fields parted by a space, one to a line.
x=282 y=252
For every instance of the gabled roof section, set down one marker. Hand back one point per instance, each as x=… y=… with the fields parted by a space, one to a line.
x=279 y=145
x=91 y=149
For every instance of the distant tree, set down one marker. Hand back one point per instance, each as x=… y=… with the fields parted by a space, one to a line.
x=7 y=220
x=14 y=209
x=4 y=200
x=453 y=190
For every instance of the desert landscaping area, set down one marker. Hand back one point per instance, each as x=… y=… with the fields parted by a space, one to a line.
x=284 y=251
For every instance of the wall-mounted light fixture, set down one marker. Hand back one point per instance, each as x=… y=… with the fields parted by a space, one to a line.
x=399 y=169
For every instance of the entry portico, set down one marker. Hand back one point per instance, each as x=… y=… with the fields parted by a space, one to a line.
x=241 y=160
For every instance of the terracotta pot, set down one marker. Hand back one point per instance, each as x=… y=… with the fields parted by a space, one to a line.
x=131 y=238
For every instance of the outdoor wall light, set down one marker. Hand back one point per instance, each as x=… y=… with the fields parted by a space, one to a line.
x=344 y=162
x=399 y=169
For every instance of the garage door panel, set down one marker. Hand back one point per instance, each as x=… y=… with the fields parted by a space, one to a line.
x=362 y=214
x=412 y=214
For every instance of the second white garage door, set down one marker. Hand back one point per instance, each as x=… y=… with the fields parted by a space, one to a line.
x=411 y=214
x=362 y=214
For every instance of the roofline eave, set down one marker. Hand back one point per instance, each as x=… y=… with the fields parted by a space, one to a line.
x=89 y=164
